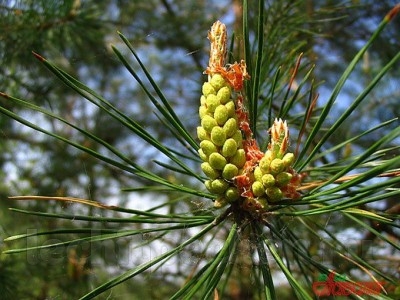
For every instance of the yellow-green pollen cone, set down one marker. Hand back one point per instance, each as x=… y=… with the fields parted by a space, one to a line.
x=220 y=138
x=221 y=149
x=274 y=174
x=237 y=170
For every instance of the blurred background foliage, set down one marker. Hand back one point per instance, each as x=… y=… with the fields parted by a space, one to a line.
x=170 y=37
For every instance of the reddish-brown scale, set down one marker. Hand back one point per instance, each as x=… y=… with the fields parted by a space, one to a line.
x=253 y=153
x=290 y=191
x=394 y=11
x=4 y=95
x=38 y=56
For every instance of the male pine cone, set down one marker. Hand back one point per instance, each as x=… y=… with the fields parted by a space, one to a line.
x=221 y=147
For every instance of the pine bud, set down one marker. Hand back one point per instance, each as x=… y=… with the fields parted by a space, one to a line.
x=217 y=81
x=258 y=174
x=224 y=95
x=274 y=194
x=209 y=171
x=283 y=178
x=230 y=106
x=219 y=186
x=202 y=155
x=276 y=166
x=268 y=155
x=208 y=123
x=208 y=147
x=257 y=188
x=264 y=164
x=288 y=159
x=208 y=89
x=203 y=100
x=238 y=138
x=279 y=138
x=202 y=111
x=221 y=114
x=217 y=161
x=207 y=184
x=230 y=127
x=239 y=159
x=218 y=136
x=202 y=134
x=212 y=103
x=229 y=148
x=230 y=171
x=232 y=194
x=268 y=180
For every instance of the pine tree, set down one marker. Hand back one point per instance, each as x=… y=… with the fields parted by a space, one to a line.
x=231 y=232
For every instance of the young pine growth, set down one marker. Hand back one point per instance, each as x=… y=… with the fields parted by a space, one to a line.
x=221 y=146
x=274 y=172
x=237 y=170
